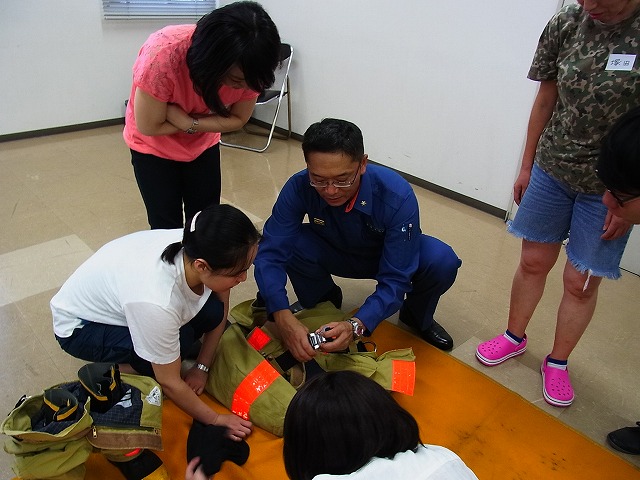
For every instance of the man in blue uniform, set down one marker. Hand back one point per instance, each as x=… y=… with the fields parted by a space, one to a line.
x=363 y=223
x=619 y=170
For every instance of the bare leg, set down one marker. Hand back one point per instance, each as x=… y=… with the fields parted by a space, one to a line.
x=575 y=311
x=536 y=260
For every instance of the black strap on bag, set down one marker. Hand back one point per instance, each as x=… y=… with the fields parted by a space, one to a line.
x=287 y=361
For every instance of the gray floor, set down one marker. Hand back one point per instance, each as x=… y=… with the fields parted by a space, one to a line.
x=64 y=196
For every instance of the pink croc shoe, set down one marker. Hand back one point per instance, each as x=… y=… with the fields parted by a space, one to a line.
x=556 y=386
x=498 y=349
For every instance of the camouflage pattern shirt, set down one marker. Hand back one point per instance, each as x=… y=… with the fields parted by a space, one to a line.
x=574 y=50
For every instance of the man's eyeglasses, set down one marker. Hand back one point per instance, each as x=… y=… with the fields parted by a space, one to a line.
x=336 y=183
x=623 y=199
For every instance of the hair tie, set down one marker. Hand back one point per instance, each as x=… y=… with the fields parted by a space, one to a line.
x=193 y=222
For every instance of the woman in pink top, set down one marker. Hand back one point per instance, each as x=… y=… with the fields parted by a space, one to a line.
x=190 y=83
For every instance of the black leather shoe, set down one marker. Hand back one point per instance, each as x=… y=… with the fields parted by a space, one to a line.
x=437 y=336
x=626 y=440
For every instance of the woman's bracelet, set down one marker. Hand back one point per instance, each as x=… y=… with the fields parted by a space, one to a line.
x=203 y=367
x=192 y=129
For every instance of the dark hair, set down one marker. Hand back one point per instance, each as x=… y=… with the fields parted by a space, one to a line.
x=619 y=161
x=240 y=33
x=332 y=135
x=339 y=421
x=221 y=235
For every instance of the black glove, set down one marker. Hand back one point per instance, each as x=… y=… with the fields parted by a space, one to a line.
x=210 y=444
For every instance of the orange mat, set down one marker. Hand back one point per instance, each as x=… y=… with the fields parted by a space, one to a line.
x=497 y=433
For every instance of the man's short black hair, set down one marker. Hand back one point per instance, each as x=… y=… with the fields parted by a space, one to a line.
x=333 y=135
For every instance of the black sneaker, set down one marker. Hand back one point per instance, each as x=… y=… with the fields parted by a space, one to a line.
x=626 y=440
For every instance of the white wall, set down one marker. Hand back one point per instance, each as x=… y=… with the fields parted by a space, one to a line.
x=62 y=64
x=438 y=88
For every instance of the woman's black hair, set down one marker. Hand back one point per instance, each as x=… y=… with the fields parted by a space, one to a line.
x=333 y=135
x=619 y=161
x=339 y=421
x=241 y=34
x=221 y=235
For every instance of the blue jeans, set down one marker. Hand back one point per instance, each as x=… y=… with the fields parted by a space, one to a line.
x=551 y=212
x=314 y=261
x=98 y=342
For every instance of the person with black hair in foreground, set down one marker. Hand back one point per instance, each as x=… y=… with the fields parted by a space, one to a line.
x=144 y=300
x=619 y=170
x=344 y=425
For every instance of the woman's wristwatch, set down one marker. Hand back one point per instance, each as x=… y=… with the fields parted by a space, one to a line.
x=358 y=329
x=202 y=366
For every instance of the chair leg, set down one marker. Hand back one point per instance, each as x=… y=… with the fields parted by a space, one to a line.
x=272 y=133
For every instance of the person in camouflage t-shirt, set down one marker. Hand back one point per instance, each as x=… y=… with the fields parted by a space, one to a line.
x=574 y=51
x=589 y=74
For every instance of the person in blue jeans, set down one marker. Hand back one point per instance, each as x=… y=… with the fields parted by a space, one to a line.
x=584 y=88
x=364 y=222
x=144 y=300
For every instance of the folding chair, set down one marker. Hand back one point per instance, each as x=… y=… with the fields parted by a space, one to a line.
x=269 y=96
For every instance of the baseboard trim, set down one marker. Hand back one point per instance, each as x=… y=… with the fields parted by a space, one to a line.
x=458 y=197
x=56 y=130
x=279 y=130
x=445 y=192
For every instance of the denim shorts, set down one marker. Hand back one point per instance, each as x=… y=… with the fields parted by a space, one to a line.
x=551 y=212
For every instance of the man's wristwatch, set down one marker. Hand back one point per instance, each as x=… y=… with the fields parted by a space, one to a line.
x=192 y=129
x=358 y=330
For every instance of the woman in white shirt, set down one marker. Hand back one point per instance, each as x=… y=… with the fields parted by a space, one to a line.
x=143 y=300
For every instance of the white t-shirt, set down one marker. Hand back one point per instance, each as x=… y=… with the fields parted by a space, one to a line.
x=126 y=283
x=429 y=462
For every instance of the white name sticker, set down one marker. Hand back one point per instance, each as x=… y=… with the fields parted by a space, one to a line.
x=621 y=61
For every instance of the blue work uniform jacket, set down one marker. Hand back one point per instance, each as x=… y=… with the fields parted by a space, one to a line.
x=383 y=226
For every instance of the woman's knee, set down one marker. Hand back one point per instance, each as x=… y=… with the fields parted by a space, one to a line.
x=538 y=258
x=581 y=285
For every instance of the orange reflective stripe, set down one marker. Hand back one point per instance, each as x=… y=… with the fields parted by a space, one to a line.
x=251 y=387
x=258 y=339
x=403 y=376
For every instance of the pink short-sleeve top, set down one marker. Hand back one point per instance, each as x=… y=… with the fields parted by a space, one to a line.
x=161 y=71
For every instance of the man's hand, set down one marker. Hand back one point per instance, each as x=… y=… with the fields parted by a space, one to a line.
x=294 y=335
x=341 y=334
